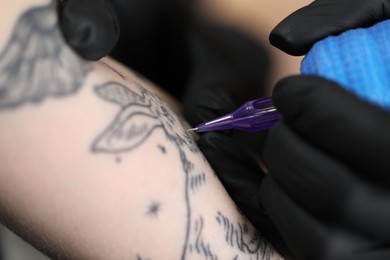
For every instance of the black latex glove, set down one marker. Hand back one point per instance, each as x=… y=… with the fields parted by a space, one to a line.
x=90 y=27
x=228 y=69
x=153 y=40
x=328 y=188
x=299 y=31
x=328 y=161
x=211 y=69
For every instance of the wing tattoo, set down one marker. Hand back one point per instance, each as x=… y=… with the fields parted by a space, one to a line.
x=36 y=62
x=132 y=126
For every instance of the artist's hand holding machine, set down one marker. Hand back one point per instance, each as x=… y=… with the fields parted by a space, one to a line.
x=328 y=187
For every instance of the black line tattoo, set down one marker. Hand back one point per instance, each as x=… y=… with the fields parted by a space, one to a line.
x=202 y=247
x=118 y=159
x=36 y=63
x=154 y=209
x=162 y=148
x=196 y=181
x=132 y=126
x=114 y=70
x=139 y=116
x=148 y=112
x=238 y=235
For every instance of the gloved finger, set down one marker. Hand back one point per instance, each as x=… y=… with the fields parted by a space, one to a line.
x=90 y=27
x=308 y=238
x=153 y=40
x=241 y=176
x=300 y=30
x=337 y=122
x=324 y=187
x=224 y=61
x=202 y=105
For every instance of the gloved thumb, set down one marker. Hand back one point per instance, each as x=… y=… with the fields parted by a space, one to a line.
x=90 y=27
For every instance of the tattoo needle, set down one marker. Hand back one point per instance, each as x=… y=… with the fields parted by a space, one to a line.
x=256 y=115
x=192 y=130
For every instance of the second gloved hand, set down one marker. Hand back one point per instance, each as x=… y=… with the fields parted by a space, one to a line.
x=328 y=188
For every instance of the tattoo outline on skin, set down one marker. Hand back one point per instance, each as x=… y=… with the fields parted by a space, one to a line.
x=196 y=181
x=36 y=62
x=201 y=247
x=238 y=235
x=154 y=209
x=162 y=149
x=149 y=110
x=124 y=133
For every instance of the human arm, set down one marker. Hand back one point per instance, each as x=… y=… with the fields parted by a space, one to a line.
x=94 y=164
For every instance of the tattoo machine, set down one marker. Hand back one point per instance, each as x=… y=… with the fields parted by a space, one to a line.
x=255 y=115
x=356 y=59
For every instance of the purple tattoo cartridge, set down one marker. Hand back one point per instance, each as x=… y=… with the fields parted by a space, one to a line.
x=255 y=115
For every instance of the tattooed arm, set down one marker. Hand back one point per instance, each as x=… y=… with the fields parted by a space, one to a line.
x=93 y=162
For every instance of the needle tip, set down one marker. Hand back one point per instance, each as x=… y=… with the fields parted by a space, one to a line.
x=192 y=129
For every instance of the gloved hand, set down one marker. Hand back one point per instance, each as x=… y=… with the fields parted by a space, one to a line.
x=298 y=32
x=328 y=160
x=211 y=69
x=328 y=189
x=90 y=27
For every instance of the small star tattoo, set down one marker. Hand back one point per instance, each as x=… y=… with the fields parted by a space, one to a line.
x=154 y=209
x=140 y=258
x=118 y=160
x=162 y=149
